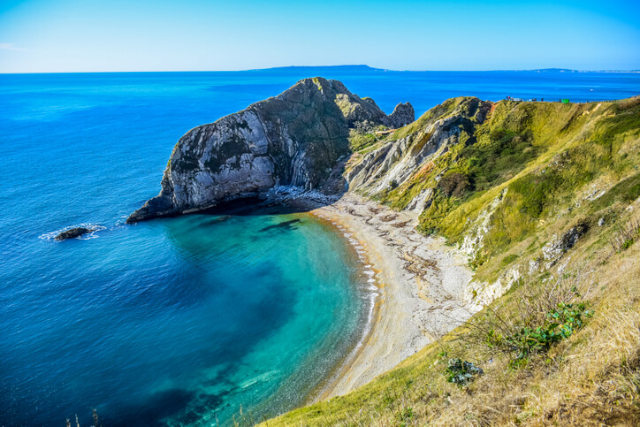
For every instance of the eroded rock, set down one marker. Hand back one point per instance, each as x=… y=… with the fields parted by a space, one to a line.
x=297 y=139
x=402 y=115
x=554 y=250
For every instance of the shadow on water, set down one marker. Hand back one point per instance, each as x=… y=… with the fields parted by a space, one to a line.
x=286 y=225
x=151 y=412
x=250 y=206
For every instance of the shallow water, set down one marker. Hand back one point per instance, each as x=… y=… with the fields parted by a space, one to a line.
x=177 y=321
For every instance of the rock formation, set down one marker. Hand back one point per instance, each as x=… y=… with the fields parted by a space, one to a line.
x=295 y=139
x=396 y=160
x=402 y=115
x=73 y=233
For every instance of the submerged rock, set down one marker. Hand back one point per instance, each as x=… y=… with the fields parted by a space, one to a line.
x=294 y=139
x=73 y=233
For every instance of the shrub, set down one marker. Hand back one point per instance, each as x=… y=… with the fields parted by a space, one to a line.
x=541 y=315
x=461 y=372
x=625 y=236
x=559 y=324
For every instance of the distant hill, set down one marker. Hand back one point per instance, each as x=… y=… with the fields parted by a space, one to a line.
x=316 y=67
x=363 y=67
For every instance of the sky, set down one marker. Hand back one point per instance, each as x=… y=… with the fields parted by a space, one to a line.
x=198 y=35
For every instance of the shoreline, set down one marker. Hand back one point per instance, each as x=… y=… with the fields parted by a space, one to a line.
x=371 y=291
x=420 y=285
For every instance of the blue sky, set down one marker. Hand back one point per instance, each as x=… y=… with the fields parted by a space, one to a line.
x=198 y=35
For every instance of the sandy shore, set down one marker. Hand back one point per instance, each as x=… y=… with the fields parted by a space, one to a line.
x=420 y=284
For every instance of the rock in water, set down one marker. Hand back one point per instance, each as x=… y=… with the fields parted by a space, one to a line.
x=73 y=233
x=295 y=139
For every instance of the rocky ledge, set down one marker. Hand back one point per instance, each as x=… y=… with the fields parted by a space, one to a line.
x=298 y=138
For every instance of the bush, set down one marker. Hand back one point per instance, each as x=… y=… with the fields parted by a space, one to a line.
x=625 y=236
x=542 y=314
x=559 y=324
x=461 y=372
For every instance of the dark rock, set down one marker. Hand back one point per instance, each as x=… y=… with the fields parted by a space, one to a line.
x=73 y=233
x=402 y=115
x=570 y=238
x=554 y=250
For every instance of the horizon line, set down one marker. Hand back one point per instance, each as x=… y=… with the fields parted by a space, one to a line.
x=548 y=69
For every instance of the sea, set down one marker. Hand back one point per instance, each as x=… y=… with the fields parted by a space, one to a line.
x=197 y=320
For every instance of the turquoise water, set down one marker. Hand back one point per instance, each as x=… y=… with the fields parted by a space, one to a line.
x=177 y=321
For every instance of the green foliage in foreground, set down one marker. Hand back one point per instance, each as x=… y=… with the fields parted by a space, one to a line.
x=559 y=324
x=461 y=372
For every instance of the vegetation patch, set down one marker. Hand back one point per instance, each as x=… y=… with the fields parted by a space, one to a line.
x=626 y=191
x=625 y=235
x=523 y=341
x=454 y=184
x=461 y=372
x=365 y=136
x=509 y=259
x=543 y=168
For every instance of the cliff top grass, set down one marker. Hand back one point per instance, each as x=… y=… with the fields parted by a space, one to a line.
x=534 y=170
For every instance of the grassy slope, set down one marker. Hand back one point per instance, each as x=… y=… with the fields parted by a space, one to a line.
x=550 y=157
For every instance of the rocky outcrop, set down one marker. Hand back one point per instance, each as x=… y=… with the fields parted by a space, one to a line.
x=402 y=115
x=554 y=250
x=73 y=233
x=297 y=138
x=398 y=159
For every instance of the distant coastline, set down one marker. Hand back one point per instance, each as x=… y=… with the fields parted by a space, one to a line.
x=338 y=68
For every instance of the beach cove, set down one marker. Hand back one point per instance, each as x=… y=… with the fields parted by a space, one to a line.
x=419 y=286
x=130 y=320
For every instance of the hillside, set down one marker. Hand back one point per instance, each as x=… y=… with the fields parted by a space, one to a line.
x=544 y=199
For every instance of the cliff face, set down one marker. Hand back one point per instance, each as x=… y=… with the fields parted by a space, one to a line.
x=410 y=149
x=295 y=139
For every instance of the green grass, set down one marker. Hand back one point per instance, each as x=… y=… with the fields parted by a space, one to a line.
x=625 y=191
x=542 y=167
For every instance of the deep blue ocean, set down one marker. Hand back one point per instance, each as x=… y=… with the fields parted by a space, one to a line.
x=179 y=321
